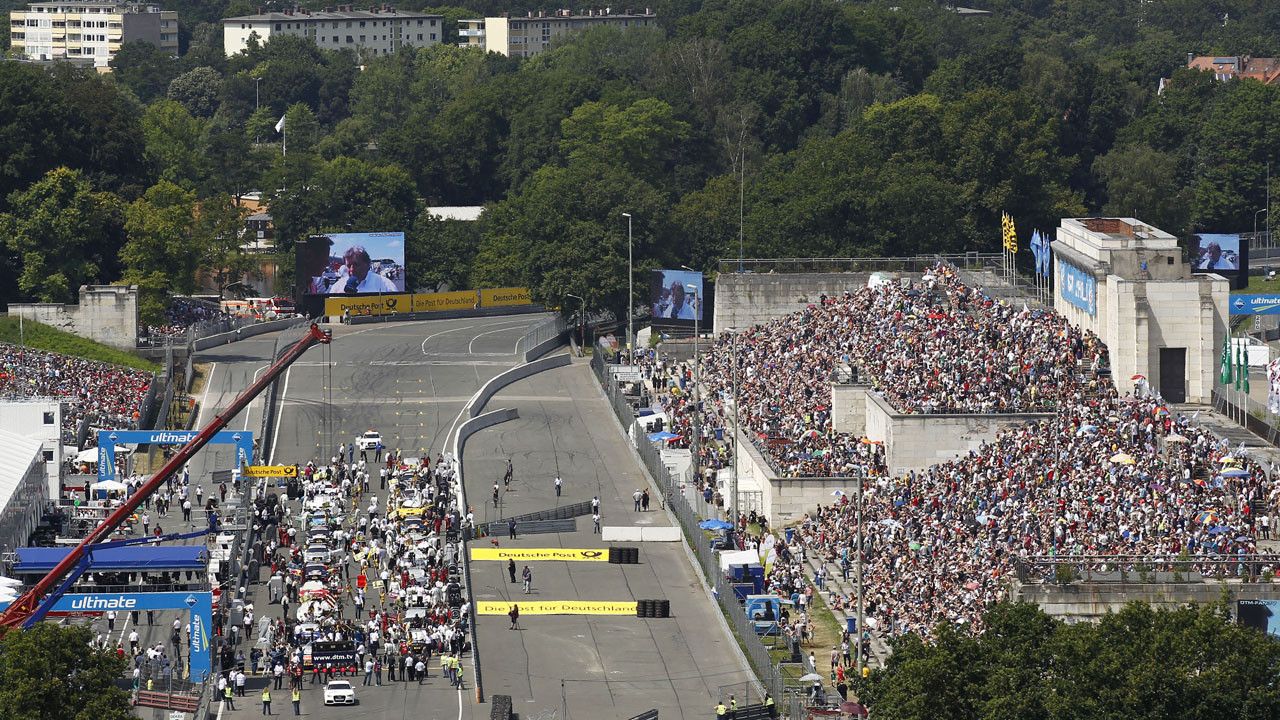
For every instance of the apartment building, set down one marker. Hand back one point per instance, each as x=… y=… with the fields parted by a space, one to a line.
x=89 y=32
x=381 y=30
x=527 y=36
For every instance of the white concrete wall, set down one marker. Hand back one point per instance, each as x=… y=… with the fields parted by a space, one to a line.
x=849 y=409
x=745 y=299
x=107 y=314
x=26 y=418
x=913 y=441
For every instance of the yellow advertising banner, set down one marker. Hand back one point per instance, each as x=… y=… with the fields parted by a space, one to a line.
x=271 y=471
x=502 y=297
x=457 y=300
x=557 y=607
x=368 y=304
x=535 y=554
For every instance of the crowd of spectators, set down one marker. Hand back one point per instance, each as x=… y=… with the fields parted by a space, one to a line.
x=1110 y=474
x=109 y=395
x=182 y=314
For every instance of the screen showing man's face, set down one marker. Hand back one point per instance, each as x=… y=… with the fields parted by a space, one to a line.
x=677 y=297
x=357 y=265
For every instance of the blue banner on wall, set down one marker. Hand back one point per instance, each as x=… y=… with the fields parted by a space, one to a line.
x=108 y=439
x=198 y=604
x=1255 y=304
x=1078 y=288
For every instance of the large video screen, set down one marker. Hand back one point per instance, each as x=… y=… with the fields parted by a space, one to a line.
x=351 y=264
x=676 y=295
x=1261 y=615
x=1225 y=254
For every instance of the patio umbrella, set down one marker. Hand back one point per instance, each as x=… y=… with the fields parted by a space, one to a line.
x=1219 y=529
x=810 y=677
x=1087 y=430
x=1235 y=472
x=1175 y=438
x=837 y=493
x=1139 y=376
x=663 y=435
x=109 y=486
x=1122 y=459
x=853 y=708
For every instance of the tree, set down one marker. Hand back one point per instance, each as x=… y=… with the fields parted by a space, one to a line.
x=144 y=68
x=441 y=251
x=1136 y=663
x=197 y=90
x=50 y=672
x=174 y=143
x=1145 y=183
x=164 y=249
x=37 y=127
x=62 y=234
x=642 y=137
x=220 y=235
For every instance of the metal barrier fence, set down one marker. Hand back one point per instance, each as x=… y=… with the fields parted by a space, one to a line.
x=1142 y=568
x=1253 y=415
x=916 y=263
x=767 y=673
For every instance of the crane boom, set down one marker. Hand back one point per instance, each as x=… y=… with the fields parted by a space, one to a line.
x=25 y=606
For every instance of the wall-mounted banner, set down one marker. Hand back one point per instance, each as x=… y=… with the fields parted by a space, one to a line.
x=557 y=607
x=536 y=554
x=1255 y=304
x=502 y=297
x=1078 y=287
x=263 y=471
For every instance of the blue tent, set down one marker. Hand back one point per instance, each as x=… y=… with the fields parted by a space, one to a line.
x=137 y=558
x=715 y=525
x=663 y=435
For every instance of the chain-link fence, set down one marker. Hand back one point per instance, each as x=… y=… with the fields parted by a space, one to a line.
x=917 y=263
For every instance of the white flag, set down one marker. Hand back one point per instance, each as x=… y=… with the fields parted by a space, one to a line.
x=280 y=125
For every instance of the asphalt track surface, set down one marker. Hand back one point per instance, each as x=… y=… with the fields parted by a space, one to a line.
x=410 y=381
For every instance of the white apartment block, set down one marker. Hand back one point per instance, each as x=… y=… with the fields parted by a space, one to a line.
x=89 y=32
x=378 y=31
x=527 y=36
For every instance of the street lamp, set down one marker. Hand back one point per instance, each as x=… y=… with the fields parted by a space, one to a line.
x=1255 y=223
x=582 y=317
x=692 y=289
x=630 y=296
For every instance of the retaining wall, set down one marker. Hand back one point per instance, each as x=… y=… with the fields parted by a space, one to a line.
x=745 y=299
x=107 y=314
x=916 y=441
x=1089 y=601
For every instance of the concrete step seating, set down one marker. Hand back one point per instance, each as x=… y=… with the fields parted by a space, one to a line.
x=834 y=582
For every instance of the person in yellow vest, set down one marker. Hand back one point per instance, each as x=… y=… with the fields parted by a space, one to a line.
x=226 y=697
x=296 y=696
x=266 y=701
x=721 y=710
x=770 y=707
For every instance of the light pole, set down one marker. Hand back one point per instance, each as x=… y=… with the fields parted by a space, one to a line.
x=582 y=317
x=1255 y=225
x=630 y=295
x=256 y=80
x=697 y=381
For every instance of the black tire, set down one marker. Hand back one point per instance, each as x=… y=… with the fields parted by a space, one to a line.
x=642 y=608
x=633 y=556
x=664 y=608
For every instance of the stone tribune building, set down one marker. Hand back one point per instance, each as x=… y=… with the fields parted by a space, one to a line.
x=1128 y=283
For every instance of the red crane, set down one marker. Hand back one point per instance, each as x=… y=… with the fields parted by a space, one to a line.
x=24 y=607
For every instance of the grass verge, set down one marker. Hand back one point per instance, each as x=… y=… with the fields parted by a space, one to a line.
x=43 y=337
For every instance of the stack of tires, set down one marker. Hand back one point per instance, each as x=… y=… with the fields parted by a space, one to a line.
x=653 y=608
x=500 y=707
x=624 y=555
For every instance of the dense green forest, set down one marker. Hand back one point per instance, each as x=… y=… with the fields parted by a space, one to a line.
x=843 y=128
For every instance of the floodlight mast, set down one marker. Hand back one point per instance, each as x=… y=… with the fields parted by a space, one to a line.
x=25 y=607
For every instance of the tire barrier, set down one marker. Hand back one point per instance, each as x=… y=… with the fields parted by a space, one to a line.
x=500 y=707
x=653 y=608
x=624 y=555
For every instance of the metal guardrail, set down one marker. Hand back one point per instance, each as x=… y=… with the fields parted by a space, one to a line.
x=498 y=528
x=563 y=512
x=1142 y=568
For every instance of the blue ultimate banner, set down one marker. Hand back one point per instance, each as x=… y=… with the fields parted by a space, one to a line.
x=1255 y=304
x=1078 y=287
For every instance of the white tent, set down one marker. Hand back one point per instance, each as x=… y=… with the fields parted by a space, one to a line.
x=109 y=486
x=738 y=557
